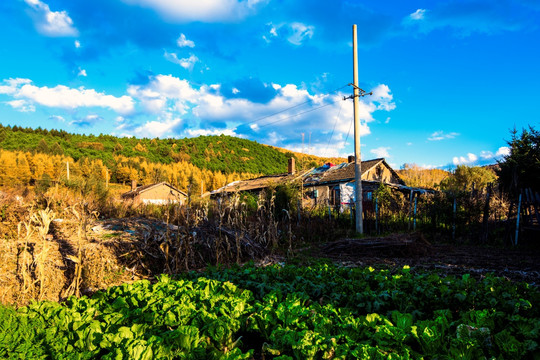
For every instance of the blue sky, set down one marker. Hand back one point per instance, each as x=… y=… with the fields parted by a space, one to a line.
x=450 y=79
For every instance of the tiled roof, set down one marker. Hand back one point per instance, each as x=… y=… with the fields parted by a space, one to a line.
x=324 y=174
x=258 y=183
x=340 y=172
x=346 y=172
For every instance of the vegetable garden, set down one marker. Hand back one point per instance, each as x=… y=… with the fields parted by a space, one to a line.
x=284 y=312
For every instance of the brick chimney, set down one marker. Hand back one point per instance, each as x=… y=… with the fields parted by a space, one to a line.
x=133 y=185
x=350 y=159
x=292 y=168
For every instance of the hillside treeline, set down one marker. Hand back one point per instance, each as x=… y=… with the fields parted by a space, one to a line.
x=27 y=168
x=224 y=154
x=462 y=178
x=416 y=176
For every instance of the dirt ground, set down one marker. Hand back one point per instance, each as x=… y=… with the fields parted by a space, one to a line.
x=516 y=264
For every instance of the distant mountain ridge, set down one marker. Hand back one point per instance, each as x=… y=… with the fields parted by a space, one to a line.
x=216 y=153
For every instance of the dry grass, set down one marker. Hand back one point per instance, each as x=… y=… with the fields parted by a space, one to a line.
x=63 y=242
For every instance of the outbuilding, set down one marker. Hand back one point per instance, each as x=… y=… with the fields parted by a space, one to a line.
x=161 y=193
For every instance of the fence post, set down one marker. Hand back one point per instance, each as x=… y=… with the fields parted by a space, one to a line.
x=299 y=211
x=414 y=215
x=517 y=221
x=376 y=215
x=454 y=221
x=410 y=209
x=329 y=211
x=485 y=226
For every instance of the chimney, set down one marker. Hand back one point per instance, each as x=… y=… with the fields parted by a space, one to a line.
x=133 y=185
x=350 y=159
x=292 y=169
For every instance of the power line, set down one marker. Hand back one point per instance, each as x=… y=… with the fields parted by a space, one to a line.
x=348 y=132
x=333 y=129
x=301 y=113
x=289 y=108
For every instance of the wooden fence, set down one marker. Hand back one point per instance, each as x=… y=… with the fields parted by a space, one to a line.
x=486 y=216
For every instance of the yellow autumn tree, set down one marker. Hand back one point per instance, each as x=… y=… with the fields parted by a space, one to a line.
x=8 y=167
x=23 y=169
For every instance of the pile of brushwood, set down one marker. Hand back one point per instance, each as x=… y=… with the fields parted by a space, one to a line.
x=284 y=312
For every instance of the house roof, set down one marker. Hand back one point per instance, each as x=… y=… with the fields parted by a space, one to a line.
x=324 y=174
x=259 y=183
x=345 y=172
x=141 y=189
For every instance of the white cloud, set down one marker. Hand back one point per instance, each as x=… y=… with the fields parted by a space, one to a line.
x=205 y=132
x=381 y=152
x=337 y=147
x=11 y=85
x=93 y=117
x=503 y=151
x=387 y=120
x=418 y=14
x=64 y=97
x=486 y=155
x=21 y=105
x=183 y=42
x=274 y=138
x=430 y=166
x=186 y=63
x=486 y=17
x=164 y=89
x=57 y=118
x=316 y=113
x=295 y=33
x=461 y=160
x=51 y=23
x=77 y=44
x=82 y=72
x=440 y=135
x=121 y=124
x=157 y=128
x=383 y=96
x=208 y=11
x=87 y=121
x=300 y=32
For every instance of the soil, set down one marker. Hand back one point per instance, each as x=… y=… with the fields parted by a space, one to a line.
x=516 y=264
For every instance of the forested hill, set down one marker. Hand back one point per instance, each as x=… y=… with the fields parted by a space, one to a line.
x=217 y=153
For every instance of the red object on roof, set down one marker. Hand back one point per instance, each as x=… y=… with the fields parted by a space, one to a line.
x=330 y=164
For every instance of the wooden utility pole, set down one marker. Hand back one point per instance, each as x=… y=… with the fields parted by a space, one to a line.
x=357 y=157
x=67 y=169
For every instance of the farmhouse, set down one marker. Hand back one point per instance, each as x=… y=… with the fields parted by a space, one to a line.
x=329 y=184
x=334 y=184
x=160 y=194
